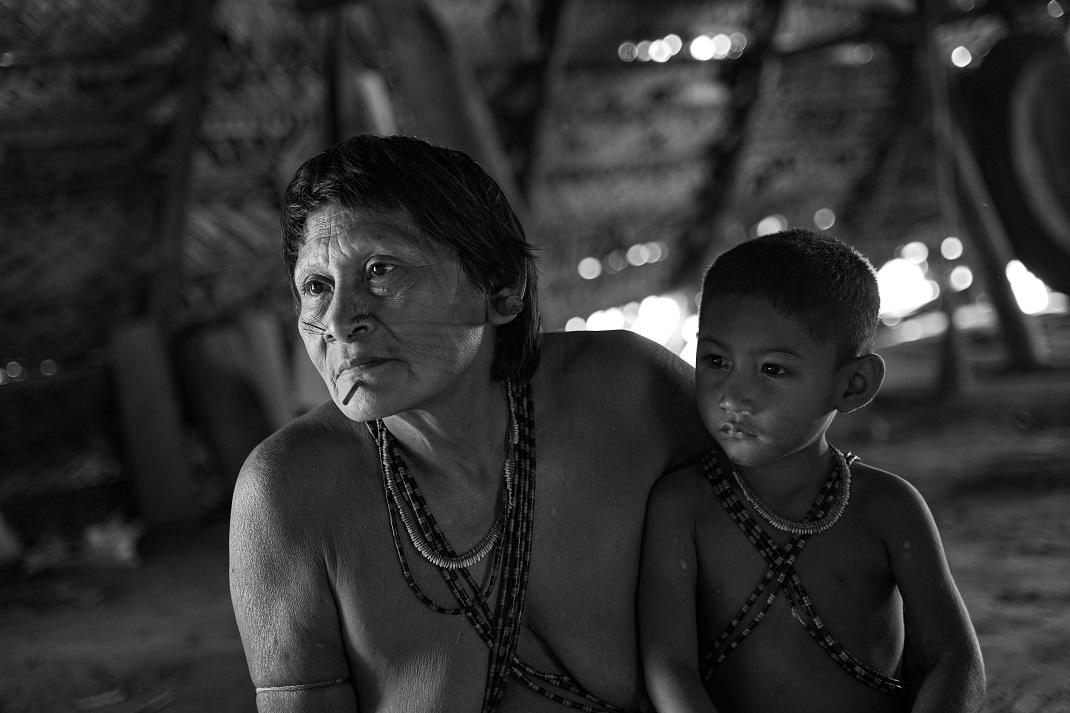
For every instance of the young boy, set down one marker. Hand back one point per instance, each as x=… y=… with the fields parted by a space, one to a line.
x=735 y=614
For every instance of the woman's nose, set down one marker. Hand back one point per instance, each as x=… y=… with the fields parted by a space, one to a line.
x=349 y=316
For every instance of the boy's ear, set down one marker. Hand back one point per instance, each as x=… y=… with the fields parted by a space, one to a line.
x=861 y=379
x=505 y=303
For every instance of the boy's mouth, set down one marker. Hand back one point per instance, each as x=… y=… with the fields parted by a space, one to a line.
x=732 y=430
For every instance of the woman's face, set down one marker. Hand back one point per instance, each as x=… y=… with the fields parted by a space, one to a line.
x=387 y=316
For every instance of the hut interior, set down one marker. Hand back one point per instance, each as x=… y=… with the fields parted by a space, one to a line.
x=148 y=342
x=146 y=338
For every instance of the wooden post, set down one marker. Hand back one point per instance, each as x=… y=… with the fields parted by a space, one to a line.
x=955 y=375
x=164 y=297
x=744 y=76
x=437 y=90
x=153 y=436
x=148 y=400
x=1026 y=345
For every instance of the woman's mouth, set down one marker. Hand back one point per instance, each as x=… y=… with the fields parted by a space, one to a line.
x=356 y=367
x=357 y=371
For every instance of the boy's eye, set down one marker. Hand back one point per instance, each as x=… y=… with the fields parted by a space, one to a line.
x=714 y=361
x=774 y=370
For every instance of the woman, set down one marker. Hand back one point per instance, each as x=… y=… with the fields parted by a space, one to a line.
x=405 y=546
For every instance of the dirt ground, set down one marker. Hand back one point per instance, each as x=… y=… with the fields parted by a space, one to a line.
x=993 y=463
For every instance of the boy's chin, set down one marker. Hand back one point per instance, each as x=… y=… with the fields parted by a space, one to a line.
x=745 y=454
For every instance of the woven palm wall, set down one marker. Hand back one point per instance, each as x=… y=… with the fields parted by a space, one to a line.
x=92 y=98
x=80 y=190
x=93 y=95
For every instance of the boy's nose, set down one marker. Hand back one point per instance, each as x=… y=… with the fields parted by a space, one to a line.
x=735 y=396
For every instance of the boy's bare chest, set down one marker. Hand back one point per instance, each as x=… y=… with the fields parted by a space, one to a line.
x=844 y=571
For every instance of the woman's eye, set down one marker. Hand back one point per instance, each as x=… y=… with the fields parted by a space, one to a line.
x=315 y=288
x=379 y=269
x=774 y=370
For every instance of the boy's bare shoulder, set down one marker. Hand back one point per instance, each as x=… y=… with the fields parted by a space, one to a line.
x=681 y=490
x=885 y=496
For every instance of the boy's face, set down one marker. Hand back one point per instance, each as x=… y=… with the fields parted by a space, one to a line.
x=766 y=388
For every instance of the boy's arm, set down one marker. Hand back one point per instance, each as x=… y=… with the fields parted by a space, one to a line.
x=668 y=630
x=282 y=601
x=940 y=633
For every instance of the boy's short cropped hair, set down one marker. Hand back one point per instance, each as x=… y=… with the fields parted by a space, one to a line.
x=812 y=277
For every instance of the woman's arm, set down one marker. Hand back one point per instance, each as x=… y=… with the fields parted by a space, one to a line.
x=282 y=598
x=668 y=630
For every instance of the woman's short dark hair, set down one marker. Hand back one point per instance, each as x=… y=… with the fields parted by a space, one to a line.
x=822 y=282
x=451 y=200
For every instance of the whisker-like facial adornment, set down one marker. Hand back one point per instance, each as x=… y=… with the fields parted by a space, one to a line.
x=311 y=327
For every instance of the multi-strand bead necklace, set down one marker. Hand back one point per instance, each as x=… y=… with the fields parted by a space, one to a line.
x=840 y=471
x=415 y=522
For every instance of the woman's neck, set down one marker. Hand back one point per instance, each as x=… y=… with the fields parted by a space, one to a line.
x=459 y=438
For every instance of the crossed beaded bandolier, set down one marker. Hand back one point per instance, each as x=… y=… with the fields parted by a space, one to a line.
x=781 y=575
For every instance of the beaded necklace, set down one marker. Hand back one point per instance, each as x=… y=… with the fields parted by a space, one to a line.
x=405 y=501
x=499 y=628
x=840 y=475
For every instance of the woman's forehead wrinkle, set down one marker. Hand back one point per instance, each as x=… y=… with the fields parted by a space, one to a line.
x=331 y=226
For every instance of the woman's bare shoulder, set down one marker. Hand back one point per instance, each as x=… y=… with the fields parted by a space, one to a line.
x=619 y=345
x=643 y=389
x=617 y=361
x=305 y=460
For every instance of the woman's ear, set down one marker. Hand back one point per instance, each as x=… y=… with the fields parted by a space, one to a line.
x=505 y=303
x=861 y=379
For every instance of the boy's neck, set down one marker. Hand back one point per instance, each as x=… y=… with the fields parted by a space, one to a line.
x=792 y=479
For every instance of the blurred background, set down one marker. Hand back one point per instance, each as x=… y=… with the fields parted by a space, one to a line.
x=146 y=332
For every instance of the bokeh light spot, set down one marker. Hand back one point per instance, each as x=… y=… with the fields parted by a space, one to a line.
x=771 y=224
x=960 y=278
x=824 y=218
x=615 y=262
x=951 y=248
x=589 y=268
x=904 y=288
x=915 y=252
x=1029 y=291
x=660 y=51
x=701 y=48
x=722 y=45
